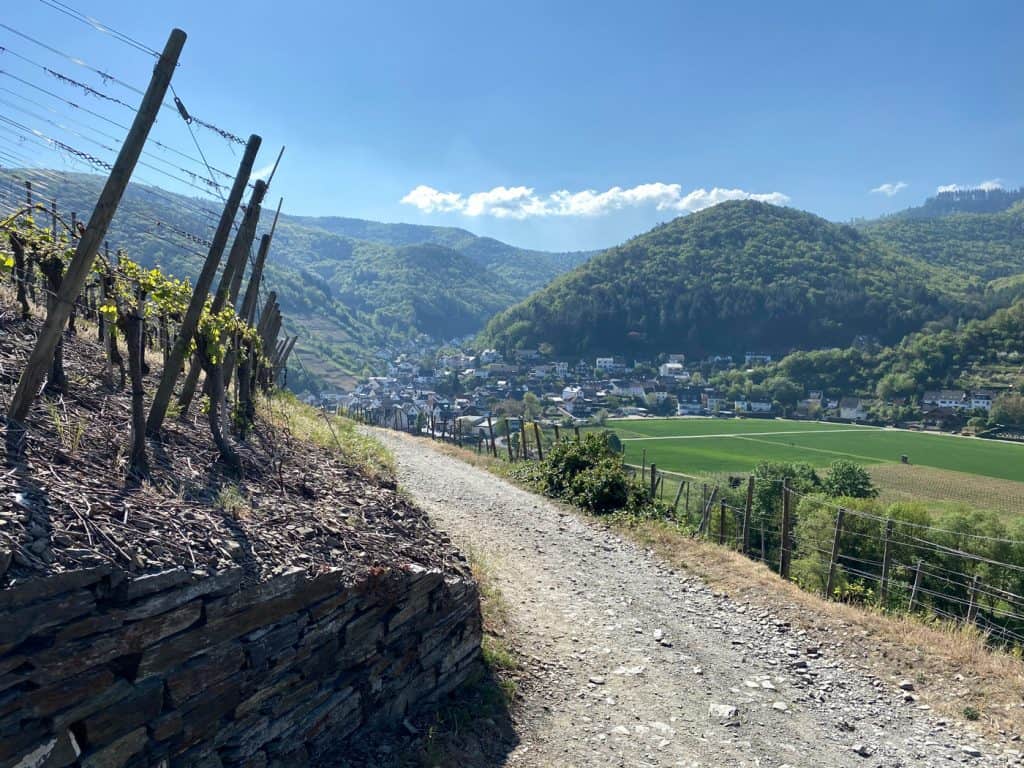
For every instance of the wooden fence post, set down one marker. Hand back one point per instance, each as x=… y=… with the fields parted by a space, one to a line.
x=748 y=510
x=85 y=254
x=490 y=430
x=643 y=465
x=577 y=431
x=540 y=447
x=687 y=501
x=654 y=479
x=972 y=606
x=523 y=447
x=508 y=441
x=705 y=515
x=557 y=436
x=784 y=547
x=917 y=584
x=835 y=553
x=675 y=504
x=883 y=589
x=721 y=521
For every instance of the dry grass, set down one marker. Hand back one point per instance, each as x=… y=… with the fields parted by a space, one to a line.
x=954 y=670
x=904 y=482
x=335 y=433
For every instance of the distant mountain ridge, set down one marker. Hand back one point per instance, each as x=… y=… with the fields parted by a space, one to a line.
x=975 y=200
x=988 y=244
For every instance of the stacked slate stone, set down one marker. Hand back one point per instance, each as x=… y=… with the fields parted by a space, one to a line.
x=183 y=668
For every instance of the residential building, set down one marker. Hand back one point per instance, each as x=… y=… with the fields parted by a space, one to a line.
x=671 y=369
x=852 y=409
x=752 y=406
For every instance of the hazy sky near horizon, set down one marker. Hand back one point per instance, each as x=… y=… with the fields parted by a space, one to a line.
x=551 y=125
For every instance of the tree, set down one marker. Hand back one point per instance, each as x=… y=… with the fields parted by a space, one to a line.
x=1009 y=409
x=784 y=391
x=847 y=479
x=531 y=407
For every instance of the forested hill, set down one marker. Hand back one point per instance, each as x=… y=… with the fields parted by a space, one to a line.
x=525 y=269
x=738 y=277
x=978 y=200
x=988 y=244
x=352 y=288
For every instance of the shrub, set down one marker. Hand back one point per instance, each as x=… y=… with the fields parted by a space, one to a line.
x=845 y=478
x=590 y=474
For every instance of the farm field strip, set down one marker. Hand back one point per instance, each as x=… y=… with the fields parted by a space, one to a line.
x=743 y=435
x=872 y=459
x=720 y=445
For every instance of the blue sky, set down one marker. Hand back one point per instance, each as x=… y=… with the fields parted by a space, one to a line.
x=576 y=124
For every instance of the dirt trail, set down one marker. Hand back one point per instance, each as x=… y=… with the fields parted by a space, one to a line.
x=634 y=664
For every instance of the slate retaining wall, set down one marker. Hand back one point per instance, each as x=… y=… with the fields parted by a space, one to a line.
x=193 y=669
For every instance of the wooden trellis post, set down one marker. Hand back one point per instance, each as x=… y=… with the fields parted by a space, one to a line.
x=88 y=246
x=190 y=322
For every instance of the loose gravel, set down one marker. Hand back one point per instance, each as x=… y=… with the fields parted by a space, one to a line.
x=633 y=663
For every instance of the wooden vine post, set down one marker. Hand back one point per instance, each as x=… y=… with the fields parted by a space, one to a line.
x=524 y=452
x=540 y=446
x=721 y=521
x=190 y=322
x=88 y=246
x=236 y=263
x=508 y=441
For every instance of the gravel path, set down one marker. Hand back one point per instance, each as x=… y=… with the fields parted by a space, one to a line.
x=635 y=664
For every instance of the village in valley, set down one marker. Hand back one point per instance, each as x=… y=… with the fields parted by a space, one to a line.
x=460 y=384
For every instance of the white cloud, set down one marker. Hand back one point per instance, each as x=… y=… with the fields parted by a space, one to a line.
x=889 y=189
x=987 y=185
x=524 y=202
x=263 y=172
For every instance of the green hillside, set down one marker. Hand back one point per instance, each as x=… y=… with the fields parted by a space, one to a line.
x=741 y=276
x=353 y=289
x=982 y=352
x=989 y=245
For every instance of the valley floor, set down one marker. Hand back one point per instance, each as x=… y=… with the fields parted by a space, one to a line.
x=629 y=662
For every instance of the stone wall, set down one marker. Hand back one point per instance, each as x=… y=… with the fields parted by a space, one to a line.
x=180 y=668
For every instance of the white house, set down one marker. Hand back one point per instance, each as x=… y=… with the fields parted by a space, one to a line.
x=670 y=369
x=754 y=358
x=753 y=406
x=946 y=398
x=982 y=399
x=627 y=389
x=852 y=408
x=605 y=363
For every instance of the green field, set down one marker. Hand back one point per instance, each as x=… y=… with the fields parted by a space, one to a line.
x=705 y=446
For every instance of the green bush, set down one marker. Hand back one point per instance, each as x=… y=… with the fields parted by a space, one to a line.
x=590 y=474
